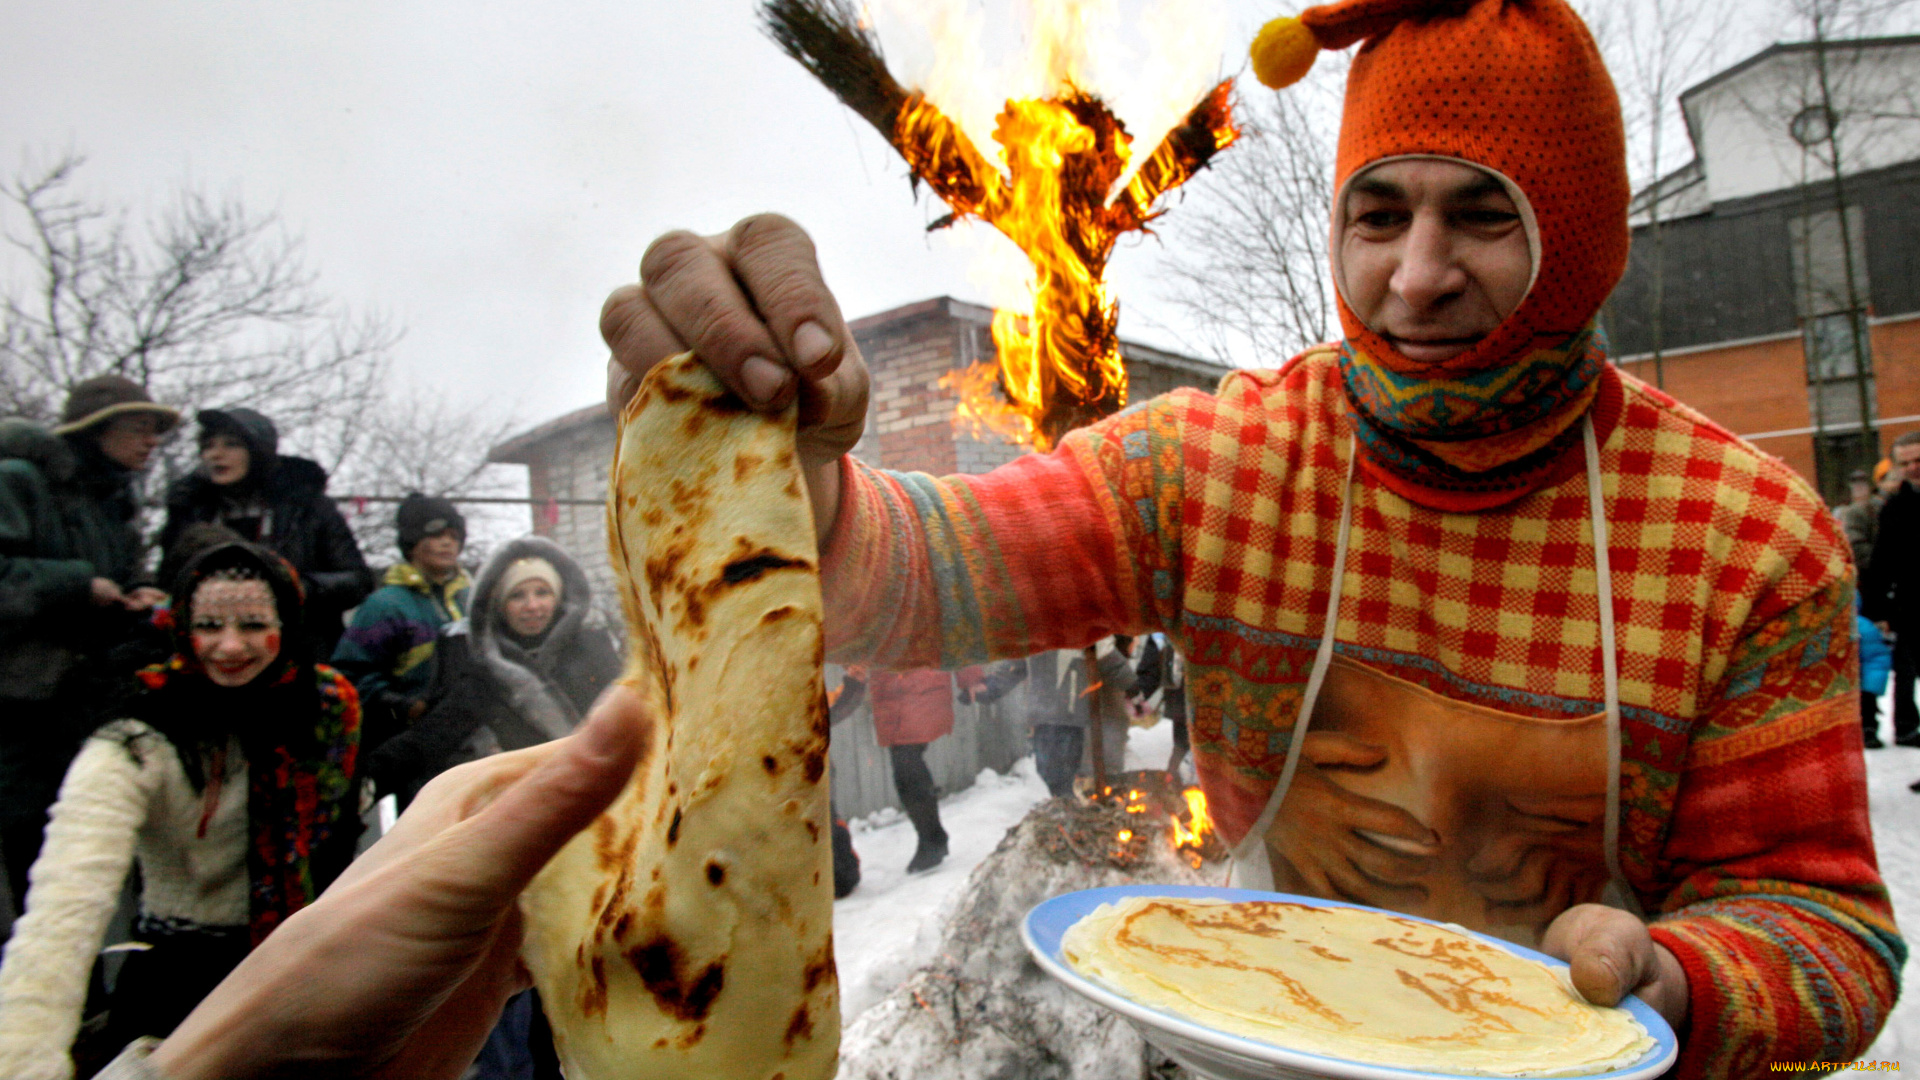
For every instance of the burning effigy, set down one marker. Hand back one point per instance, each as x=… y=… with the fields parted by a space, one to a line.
x=1068 y=185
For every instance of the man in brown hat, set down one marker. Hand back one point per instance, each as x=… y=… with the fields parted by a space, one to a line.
x=69 y=565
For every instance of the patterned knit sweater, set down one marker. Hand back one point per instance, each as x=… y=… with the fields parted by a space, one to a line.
x=1214 y=518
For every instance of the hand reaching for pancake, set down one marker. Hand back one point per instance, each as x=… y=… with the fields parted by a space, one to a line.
x=401 y=968
x=1347 y=845
x=1613 y=955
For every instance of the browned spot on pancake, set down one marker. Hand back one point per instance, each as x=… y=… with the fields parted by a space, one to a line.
x=693 y=425
x=784 y=458
x=801 y=1026
x=673 y=830
x=754 y=566
x=819 y=967
x=660 y=1043
x=692 y=1038
x=678 y=991
x=813 y=763
x=673 y=788
x=716 y=874
x=816 y=877
x=593 y=991
x=621 y=925
x=793 y=487
x=653 y=517
x=605 y=841
x=813 y=831
x=1325 y=953
x=672 y=394
x=746 y=465
x=770 y=763
x=724 y=403
x=784 y=611
x=633 y=501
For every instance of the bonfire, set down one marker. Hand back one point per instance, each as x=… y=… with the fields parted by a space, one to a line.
x=1066 y=187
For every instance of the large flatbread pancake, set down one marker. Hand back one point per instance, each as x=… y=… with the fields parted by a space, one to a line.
x=688 y=933
x=1353 y=984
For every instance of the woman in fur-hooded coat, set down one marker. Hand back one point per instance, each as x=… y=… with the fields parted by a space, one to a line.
x=497 y=689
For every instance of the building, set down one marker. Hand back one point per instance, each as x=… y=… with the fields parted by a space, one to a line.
x=1745 y=298
x=910 y=427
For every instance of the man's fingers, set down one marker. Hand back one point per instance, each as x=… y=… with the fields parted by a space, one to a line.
x=775 y=262
x=1608 y=950
x=700 y=300
x=639 y=337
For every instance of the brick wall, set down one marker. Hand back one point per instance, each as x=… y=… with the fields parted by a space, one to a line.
x=1758 y=389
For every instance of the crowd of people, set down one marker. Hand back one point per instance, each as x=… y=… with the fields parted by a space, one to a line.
x=205 y=736
x=1467 y=623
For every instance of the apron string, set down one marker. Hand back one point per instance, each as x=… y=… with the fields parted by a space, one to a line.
x=1252 y=847
x=1609 y=661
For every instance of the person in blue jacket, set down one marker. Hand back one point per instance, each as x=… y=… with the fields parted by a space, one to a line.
x=1876 y=661
x=388 y=648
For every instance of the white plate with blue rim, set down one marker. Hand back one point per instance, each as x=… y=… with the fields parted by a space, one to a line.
x=1217 y=1055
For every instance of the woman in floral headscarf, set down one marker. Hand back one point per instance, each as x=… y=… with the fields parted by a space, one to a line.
x=228 y=778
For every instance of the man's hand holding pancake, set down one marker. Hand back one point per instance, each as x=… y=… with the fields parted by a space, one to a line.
x=752 y=304
x=1613 y=955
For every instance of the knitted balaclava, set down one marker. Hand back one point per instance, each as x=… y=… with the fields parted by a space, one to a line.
x=1517 y=88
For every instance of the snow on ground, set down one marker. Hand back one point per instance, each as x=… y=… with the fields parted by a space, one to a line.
x=1896 y=835
x=890 y=925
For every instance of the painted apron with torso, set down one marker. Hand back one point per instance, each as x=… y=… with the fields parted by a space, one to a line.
x=1396 y=797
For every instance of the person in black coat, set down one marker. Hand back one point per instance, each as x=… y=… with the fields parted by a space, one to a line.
x=246 y=484
x=1890 y=587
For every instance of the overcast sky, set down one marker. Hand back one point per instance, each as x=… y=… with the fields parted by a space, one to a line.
x=484 y=172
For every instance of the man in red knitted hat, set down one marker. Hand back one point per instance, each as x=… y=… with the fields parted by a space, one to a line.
x=1477 y=626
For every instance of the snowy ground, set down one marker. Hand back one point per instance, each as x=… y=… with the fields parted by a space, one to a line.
x=890 y=924
x=1896 y=835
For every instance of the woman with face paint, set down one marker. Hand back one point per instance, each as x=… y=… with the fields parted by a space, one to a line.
x=226 y=779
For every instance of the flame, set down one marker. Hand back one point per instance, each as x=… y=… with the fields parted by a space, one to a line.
x=1065 y=198
x=1190 y=837
x=1060 y=367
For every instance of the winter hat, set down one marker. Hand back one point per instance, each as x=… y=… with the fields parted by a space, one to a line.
x=256 y=431
x=103 y=397
x=1515 y=88
x=530 y=568
x=421 y=516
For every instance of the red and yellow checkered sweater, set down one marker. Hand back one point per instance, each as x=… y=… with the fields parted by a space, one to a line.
x=1213 y=518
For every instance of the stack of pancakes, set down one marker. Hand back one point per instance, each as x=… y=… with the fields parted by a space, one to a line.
x=1354 y=984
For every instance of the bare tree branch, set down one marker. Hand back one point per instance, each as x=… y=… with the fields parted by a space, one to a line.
x=1248 y=260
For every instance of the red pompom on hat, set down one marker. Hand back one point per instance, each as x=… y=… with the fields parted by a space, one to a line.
x=1516 y=86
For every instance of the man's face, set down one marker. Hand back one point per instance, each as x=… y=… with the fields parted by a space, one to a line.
x=129 y=441
x=1906 y=461
x=438 y=556
x=1433 y=255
